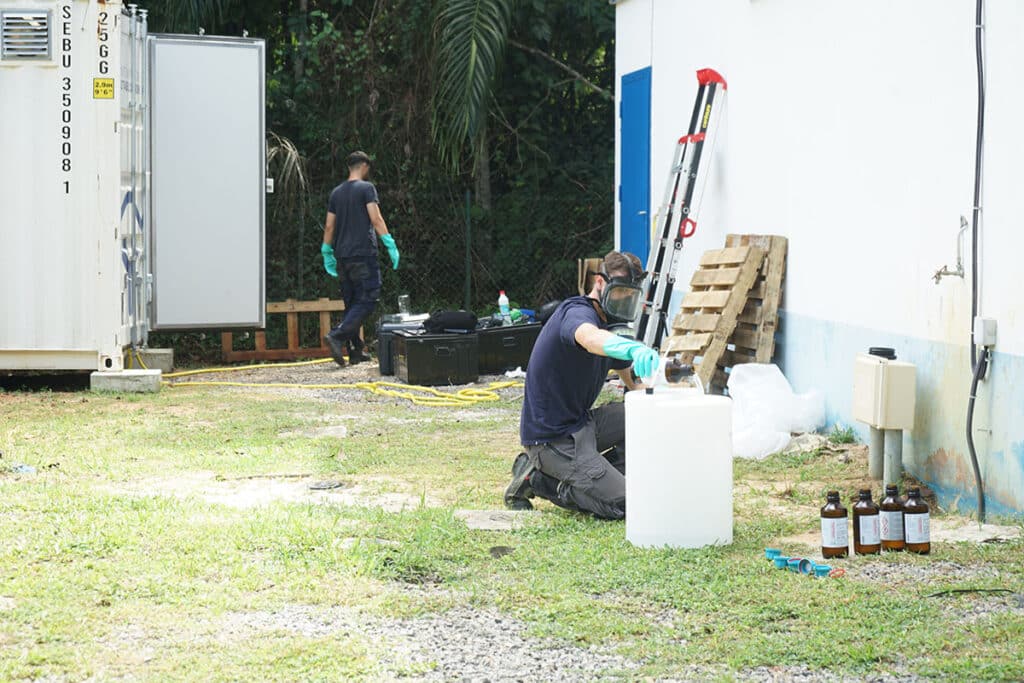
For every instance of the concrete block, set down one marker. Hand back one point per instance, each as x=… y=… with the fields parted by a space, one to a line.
x=158 y=359
x=127 y=381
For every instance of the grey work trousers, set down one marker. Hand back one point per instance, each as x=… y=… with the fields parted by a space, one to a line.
x=585 y=471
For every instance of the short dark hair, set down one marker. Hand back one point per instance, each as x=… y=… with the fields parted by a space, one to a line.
x=623 y=263
x=357 y=157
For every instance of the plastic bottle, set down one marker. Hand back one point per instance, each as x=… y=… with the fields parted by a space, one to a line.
x=917 y=523
x=891 y=519
x=506 y=313
x=866 y=537
x=835 y=537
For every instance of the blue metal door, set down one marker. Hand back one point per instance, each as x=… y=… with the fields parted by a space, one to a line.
x=635 y=159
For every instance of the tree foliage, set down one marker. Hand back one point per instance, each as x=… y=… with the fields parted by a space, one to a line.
x=420 y=85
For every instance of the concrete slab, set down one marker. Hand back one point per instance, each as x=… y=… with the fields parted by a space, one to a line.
x=126 y=381
x=494 y=520
x=158 y=359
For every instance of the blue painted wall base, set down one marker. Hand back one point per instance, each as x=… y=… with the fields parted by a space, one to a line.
x=819 y=354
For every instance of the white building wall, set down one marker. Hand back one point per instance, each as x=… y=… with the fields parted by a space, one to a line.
x=849 y=128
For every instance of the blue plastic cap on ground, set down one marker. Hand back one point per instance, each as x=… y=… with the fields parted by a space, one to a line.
x=780 y=561
x=794 y=563
x=822 y=570
x=772 y=553
x=805 y=566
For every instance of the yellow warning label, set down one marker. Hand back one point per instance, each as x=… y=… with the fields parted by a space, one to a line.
x=103 y=88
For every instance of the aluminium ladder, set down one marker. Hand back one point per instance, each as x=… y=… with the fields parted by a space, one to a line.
x=676 y=221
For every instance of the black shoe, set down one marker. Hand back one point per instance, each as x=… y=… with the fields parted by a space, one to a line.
x=337 y=350
x=518 y=492
x=356 y=355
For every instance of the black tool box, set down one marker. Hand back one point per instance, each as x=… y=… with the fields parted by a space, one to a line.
x=435 y=359
x=386 y=328
x=506 y=348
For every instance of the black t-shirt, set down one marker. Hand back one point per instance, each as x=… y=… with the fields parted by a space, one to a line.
x=563 y=379
x=353 y=232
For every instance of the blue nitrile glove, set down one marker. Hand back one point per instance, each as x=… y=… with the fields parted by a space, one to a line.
x=645 y=360
x=330 y=263
x=392 y=248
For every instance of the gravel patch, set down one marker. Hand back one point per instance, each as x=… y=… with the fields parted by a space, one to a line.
x=461 y=644
x=970 y=608
x=933 y=572
x=800 y=674
x=330 y=373
x=253 y=492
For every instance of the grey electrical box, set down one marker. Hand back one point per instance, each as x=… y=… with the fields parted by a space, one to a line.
x=207 y=128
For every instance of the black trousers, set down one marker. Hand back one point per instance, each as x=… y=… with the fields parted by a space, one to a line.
x=586 y=471
x=360 y=290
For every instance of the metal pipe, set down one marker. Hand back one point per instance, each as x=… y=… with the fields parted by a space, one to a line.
x=147 y=209
x=132 y=221
x=893 y=470
x=876 y=451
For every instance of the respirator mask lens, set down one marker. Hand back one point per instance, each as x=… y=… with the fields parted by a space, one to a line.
x=621 y=301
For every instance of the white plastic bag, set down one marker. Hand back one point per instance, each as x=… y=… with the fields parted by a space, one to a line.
x=766 y=411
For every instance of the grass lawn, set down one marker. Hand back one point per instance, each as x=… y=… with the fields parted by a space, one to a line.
x=174 y=536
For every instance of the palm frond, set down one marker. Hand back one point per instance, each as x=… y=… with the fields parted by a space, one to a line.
x=286 y=165
x=471 y=37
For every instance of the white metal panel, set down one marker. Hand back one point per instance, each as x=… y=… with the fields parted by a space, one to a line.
x=59 y=266
x=208 y=181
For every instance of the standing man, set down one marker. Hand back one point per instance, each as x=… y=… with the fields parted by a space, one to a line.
x=575 y=456
x=353 y=225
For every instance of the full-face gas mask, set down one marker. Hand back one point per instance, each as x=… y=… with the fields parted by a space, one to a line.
x=622 y=299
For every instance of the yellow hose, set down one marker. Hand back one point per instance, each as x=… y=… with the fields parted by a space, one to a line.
x=418 y=395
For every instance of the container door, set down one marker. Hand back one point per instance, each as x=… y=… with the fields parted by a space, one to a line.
x=635 y=158
x=208 y=164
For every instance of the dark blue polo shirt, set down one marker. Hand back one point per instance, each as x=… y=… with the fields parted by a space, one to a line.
x=563 y=379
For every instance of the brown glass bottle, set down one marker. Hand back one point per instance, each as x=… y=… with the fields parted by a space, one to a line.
x=891 y=517
x=835 y=537
x=866 y=538
x=916 y=523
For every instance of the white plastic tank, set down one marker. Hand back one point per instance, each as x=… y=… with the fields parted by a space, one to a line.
x=679 y=468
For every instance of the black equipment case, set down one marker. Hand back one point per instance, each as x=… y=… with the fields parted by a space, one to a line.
x=435 y=359
x=385 y=341
x=506 y=348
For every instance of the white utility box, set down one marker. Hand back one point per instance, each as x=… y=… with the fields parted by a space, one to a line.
x=884 y=392
x=132 y=183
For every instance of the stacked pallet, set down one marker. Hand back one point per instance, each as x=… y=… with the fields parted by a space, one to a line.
x=730 y=314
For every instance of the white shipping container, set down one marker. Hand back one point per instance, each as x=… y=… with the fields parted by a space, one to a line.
x=76 y=237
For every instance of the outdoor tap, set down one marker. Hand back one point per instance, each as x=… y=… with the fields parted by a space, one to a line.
x=959 y=272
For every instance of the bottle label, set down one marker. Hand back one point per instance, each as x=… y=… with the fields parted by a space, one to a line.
x=834 y=533
x=918 y=528
x=891 y=525
x=869 y=531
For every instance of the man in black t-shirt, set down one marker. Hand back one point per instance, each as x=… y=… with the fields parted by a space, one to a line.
x=353 y=225
x=575 y=455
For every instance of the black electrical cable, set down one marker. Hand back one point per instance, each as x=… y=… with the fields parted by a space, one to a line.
x=978 y=365
x=979 y=372
x=978 y=148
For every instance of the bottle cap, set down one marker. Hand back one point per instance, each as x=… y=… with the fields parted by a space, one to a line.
x=833 y=496
x=914 y=492
x=865 y=494
x=892 y=490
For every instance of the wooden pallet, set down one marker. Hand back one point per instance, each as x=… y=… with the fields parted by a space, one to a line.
x=291 y=309
x=753 y=340
x=712 y=307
